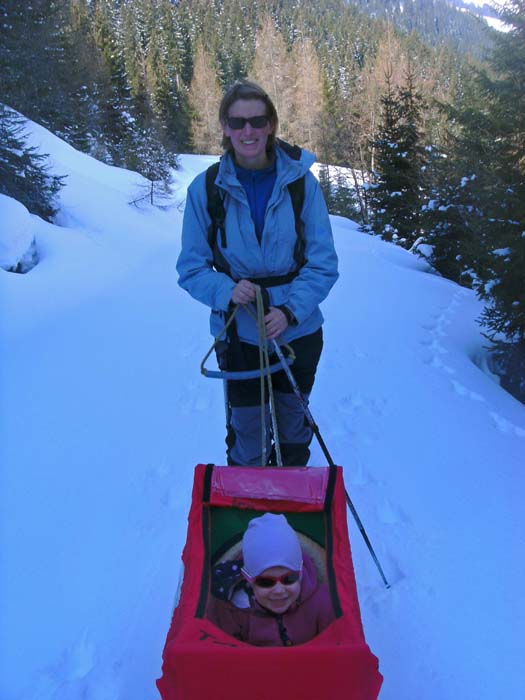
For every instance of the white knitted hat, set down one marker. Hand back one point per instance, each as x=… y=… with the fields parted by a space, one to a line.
x=270 y=541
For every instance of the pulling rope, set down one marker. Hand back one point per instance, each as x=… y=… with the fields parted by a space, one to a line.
x=265 y=369
x=217 y=340
x=264 y=364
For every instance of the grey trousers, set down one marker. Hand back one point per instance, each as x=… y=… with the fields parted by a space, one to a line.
x=244 y=440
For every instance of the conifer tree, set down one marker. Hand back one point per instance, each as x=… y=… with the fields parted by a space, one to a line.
x=133 y=51
x=151 y=159
x=204 y=98
x=398 y=193
x=273 y=70
x=158 y=79
x=117 y=117
x=35 y=69
x=176 y=124
x=308 y=109
x=503 y=279
x=24 y=174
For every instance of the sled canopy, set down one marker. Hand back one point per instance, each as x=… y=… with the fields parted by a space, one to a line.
x=200 y=661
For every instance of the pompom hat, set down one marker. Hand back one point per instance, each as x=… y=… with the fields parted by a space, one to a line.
x=270 y=541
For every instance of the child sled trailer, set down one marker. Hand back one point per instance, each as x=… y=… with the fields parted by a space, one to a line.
x=200 y=661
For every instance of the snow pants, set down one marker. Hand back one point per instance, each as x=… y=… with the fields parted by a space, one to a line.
x=244 y=439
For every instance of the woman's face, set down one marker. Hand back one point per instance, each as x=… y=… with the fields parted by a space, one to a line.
x=279 y=597
x=249 y=143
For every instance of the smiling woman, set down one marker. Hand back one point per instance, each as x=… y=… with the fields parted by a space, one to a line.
x=248 y=127
x=274 y=233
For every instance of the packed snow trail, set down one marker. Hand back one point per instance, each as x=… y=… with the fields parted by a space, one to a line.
x=102 y=486
x=104 y=414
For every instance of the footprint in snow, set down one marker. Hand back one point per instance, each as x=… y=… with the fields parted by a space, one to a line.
x=506 y=427
x=428 y=326
x=390 y=514
x=435 y=346
x=172 y=498
x=356 y=472
x=349 y=404
x=194 y=399
x=438 y=363
x=70 y=670
x=463 y=391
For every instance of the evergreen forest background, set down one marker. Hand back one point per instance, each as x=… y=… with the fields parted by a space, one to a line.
x=416 y=110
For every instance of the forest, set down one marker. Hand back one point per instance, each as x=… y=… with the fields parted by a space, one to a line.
x=418 y=116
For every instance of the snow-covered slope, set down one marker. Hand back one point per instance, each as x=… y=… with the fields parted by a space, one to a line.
x=104 y=414
x=485 y=9
x=17 y=244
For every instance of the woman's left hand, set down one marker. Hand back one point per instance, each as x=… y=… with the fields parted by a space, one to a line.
x=276 y=323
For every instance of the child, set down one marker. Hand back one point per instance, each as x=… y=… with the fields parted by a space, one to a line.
x=286 y=603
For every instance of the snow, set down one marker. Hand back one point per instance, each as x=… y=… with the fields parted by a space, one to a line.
x=485 y=9
x=16 y=232
x=497 y=24
x=104 y=414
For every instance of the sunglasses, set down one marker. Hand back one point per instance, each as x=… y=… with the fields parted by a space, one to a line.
x=237 y=123
x=287 y=579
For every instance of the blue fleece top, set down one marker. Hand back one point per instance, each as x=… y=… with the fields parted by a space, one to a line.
x=258 y=185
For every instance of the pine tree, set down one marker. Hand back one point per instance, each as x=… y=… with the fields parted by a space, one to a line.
x=398 y=192
x=133 y=48
x=34 y=61
x=460 y=187
x=24 y=174
x=503 y=283
x=116 y=115
x=152 y=160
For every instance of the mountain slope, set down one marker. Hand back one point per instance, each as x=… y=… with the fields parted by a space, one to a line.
x=460 y=25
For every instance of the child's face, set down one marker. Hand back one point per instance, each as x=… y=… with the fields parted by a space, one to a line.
x=280 y=596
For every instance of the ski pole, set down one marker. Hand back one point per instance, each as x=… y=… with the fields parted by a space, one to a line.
x=315 y=429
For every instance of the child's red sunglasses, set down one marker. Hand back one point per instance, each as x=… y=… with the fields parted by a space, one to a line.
x=287 y=579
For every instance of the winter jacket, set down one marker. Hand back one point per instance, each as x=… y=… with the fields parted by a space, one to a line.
x=250 y=259
x=308 y=616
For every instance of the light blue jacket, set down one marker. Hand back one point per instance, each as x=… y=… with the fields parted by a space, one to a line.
x=273 y=256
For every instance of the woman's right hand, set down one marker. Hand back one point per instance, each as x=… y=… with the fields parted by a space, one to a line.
x=244 y=292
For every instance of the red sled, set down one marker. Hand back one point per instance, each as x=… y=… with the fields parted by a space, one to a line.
x=200 y=661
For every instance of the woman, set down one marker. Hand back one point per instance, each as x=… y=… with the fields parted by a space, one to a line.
x=287 y=605
x=259 y=245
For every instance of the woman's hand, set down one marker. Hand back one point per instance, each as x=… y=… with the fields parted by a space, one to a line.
x=276 y=323
x=243 y=292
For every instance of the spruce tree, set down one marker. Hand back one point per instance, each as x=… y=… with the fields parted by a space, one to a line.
x=24 y=174
x=152 y=160
x=503 y=281
x=398 y=192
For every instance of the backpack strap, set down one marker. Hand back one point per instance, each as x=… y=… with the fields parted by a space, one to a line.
x=217 y=213
x=296 y=190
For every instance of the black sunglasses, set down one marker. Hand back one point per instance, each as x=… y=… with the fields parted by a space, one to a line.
x=238 y=123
